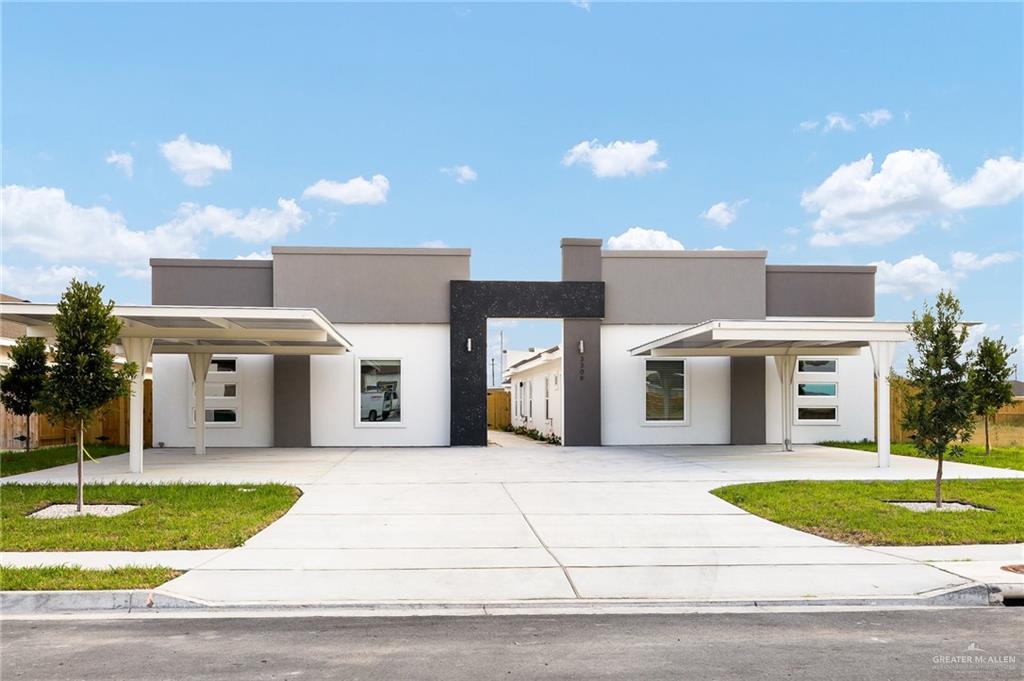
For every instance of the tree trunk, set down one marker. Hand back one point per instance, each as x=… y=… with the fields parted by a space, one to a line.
x=28 y=432
x=938 y=484
x=988 y=450
x=81 y=466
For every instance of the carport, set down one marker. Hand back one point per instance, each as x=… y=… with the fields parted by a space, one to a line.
x=198 y=332
x=785 y=340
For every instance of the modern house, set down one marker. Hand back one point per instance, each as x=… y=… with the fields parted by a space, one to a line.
x=386 y=347
x=535 y=382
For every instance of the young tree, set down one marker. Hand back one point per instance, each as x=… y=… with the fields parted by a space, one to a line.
x=22 y=386
x=940 y=410
x=988 y=376
x=83 y=377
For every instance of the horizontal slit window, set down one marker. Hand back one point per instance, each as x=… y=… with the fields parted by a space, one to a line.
x=222 y=365
x=816 y=389
x=221 y=416
x=817 y=366
x=816 y=413
x=221 y=390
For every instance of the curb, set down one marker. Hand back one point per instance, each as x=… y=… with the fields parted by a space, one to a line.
x=67 y=602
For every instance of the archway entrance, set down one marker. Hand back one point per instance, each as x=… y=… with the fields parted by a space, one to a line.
x=580 y=305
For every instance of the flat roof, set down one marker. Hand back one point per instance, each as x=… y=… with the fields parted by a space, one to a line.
x=179 y=329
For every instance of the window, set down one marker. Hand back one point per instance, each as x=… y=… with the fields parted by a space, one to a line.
x=547 y=398
x=221 y=416
x=380 y=389
x=665 y=391
x=223 y=365
x=816 y=413
x=816 y=389
x=222 y=390
x=816 y=366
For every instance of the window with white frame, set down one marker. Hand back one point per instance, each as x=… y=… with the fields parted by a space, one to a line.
x=817 y=391
x=222 y=394
x=665 y=391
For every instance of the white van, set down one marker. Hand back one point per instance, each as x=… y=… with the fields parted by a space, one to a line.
x=378 y=406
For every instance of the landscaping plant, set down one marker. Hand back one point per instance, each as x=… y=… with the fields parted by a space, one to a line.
x=988 y=376
x=940 y=409
x=83 y=378
x=21 y=388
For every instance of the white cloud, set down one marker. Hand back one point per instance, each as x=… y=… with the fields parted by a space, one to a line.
x=808 y=126
x=194 y=161
x=977 y=332
x=857 y=205
x=722 y=248
x=616 y=159
x=876 y=118
x=39 y=281
x=434 y=243
x=913 y=276
x=355 y=191
x=42 y=221
x=124 y=162
x=965 y=261
x=256 y=255
x=837 y=121
x=462 y=174
x=791 y=231
x=582 y=4
x=723 y=214
x=643 y=239
x=258 y=224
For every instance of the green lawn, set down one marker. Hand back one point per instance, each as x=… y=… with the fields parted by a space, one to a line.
x=75 y=578
x=175 y=516
x=1001 y=457
x=856 y=512
x=19 y=461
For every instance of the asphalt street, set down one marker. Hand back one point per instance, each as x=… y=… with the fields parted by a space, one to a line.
x=934 y=644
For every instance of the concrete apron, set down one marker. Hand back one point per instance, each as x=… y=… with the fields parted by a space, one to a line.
x=43 y=603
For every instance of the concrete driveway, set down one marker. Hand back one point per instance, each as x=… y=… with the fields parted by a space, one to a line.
x=498 y=524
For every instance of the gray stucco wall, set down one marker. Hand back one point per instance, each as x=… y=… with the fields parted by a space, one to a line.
x=292 y=426
x=677 y=287
x=581 y=384
x=747 y=400
x=367 y=285
x=212 y=282
x=820 y=291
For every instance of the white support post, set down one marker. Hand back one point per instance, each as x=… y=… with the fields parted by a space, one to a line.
x=137 y=350
x=200 y=364
x=882 y=353
x=785 y=365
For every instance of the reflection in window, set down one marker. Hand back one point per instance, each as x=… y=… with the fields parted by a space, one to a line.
x=816 y=414
x=380 y=389
x=221 y=365
x=817 y=366
x=221 y=416
x=816 y=389
x=665 y=390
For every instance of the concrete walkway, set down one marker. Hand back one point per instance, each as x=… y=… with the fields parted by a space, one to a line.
x=496 y=524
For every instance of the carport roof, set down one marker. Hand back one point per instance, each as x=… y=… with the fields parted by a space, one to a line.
x=762 y=337
x=178 y=329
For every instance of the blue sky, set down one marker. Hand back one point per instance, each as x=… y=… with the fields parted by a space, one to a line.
x=245 y=126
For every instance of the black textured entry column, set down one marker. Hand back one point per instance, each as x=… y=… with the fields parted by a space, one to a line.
x=472 y=303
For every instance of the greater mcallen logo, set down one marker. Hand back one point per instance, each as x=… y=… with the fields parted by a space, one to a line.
x=973 y=656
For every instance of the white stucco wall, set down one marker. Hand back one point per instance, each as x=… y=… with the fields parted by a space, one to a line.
x=623 y=392
x=855 y=376
x=535 y=376
x=423 y=350
x=172 y=387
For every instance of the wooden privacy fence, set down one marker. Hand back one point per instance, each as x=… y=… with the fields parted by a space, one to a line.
x=499 y=408
x=109 y=427
x=1006 y=429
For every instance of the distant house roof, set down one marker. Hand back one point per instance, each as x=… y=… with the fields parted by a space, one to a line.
x=1017 y=387
x=527 y=362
